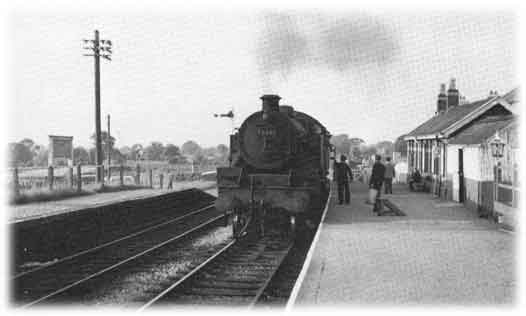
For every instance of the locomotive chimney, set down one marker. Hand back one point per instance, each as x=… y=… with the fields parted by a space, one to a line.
x=270 y=103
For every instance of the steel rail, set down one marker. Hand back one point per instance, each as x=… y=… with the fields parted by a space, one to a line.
x=120 y=263
x=200 y=267
x=104 y=245
x=188 y=275
x=264 y=286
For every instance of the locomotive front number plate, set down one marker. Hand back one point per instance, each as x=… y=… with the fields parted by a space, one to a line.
x=269 y=132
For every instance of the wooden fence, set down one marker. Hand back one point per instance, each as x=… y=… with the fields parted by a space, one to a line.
x=23 y=180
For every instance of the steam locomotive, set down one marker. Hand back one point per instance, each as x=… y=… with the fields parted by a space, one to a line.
x=277 y=179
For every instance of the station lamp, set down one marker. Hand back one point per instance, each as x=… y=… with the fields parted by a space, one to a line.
x=497 y=146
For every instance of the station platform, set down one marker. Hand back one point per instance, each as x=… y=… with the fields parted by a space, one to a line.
x=23 y=212
x=439 y=253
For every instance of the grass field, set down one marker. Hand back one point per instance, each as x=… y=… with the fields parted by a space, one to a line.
x=34 y=185
x=43 y=195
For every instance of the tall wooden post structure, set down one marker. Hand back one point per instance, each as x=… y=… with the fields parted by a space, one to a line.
x=100 y=48
x=109 y=148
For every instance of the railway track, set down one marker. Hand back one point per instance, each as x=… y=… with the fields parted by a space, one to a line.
x=46 y=283
x=236 y=275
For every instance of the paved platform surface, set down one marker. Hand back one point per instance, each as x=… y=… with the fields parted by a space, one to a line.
x=39 y=209
x=440 y=253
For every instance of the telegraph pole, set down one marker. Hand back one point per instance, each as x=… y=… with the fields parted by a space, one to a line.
x=109 y=147
x=100 y=48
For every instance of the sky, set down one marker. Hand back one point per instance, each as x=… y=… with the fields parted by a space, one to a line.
x=373 y=75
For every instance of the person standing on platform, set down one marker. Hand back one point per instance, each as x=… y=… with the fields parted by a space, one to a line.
x=342 y=175
x=170 y=181
x=389 y=176
x=415 y=178
x=377 y=176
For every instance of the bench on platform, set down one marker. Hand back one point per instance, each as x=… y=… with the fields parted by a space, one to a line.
x=422 y=186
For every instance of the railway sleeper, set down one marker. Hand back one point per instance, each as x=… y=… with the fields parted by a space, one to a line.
x=237 y=270
x=250 y=279
x=266 y=263
x=228 y=285
x=245 y=274
x=211 y=291
x=213 y=300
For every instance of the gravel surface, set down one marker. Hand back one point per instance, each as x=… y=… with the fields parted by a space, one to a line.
x=145 y=279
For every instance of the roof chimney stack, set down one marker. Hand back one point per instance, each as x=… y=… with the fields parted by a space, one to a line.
x=442 y=99
x=452 y=94
x=493 y=93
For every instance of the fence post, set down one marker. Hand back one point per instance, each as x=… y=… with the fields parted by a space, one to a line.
x=161 y=178
x=121 y=175
x=71 y=177
x=100 y=170
x=79 y=178
x=138 y=175
x=151 y=178
x=50 y=177
x=16 y=184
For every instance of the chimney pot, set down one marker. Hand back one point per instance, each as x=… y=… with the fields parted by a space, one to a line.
x=452 y=94
x=452 y=84
x=442 y=99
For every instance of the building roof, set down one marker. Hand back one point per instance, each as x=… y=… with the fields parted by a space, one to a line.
x=481 y=130
x=439 y=122
x=512 y=97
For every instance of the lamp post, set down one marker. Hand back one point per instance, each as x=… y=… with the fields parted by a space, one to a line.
x=436 y=160
x=99 y=48
x=497 y=151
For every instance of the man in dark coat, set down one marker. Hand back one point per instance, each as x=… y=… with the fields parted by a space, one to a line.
x=388 y=176
x=342 y=175
x=415 y=178
x=377 y=176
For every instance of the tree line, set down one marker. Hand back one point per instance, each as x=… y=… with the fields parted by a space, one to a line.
x=27 y=153
x=357 y=149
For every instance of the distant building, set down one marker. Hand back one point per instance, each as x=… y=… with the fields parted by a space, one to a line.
x=354 y=148
x=453 y=149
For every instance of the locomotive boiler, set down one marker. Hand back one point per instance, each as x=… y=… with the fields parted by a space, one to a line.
x=278 y=174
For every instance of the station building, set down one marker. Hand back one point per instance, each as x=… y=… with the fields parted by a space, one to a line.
x=455 y=151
